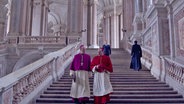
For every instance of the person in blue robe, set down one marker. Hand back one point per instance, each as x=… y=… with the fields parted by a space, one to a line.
x=136 y=54
x=106 y=49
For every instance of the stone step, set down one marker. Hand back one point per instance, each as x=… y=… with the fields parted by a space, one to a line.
x=118 y=92
x=130 y=87
x=134 y=85
x=121 y=80
x=110 y=103
x=120 y=101
x=137 y=96
x=154 y=82
x=120 y=88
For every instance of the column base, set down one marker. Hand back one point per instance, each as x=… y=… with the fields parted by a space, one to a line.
x=93 y=46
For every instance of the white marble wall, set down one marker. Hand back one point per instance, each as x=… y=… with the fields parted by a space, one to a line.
x=3 y=18
x=39 y=17
x=162 y=37
x=17 y=18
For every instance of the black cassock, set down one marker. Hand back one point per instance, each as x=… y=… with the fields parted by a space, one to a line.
x=136 y=54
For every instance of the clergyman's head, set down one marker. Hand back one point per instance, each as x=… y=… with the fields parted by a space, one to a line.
x=82 y=49
x=100 y=51
x=105 y=41
x=135 y=42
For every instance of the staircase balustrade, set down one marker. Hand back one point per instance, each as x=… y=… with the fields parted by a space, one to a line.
x=63 y=40
x=175 y=70
x=2 y=45
x=23 y=85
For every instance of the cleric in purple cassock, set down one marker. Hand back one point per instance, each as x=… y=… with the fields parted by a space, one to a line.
x=136 y=54
x=80 y=72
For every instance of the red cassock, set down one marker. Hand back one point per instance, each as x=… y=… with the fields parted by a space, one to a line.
x=104 y=62
x=105 y=65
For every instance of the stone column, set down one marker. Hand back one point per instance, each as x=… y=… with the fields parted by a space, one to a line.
x=85 y=20
x=171 y=32
x=94 y=24
x=89 y=23
x=29 y=13
x=3 y=18
x=149 y=3
x=138 y=21
x=39 y=17
x=160 y=38
x=138 y=6
x=17 y=18
x=117 y=31
x=74 y=16
x=106 y=28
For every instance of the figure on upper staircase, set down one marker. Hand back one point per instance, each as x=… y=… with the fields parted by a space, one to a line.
x=80 y=72
x=106 y=48
x=136 y=54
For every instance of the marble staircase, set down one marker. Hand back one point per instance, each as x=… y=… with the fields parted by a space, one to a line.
x=130 y=87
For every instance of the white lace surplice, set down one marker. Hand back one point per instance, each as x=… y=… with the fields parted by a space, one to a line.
x=101 y=85
x=80 y=88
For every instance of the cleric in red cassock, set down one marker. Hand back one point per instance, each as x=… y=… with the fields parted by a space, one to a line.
x=102 y=67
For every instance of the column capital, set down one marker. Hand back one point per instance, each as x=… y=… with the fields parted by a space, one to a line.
x=94 y=2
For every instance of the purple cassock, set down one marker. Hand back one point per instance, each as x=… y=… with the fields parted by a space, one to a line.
x=81 y=62
x=80 y=69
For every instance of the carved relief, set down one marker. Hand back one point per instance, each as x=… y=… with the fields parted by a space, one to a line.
x=3 y=17
x=148 y=40
x=155 y=38
x=7 y=96
x=165 y=36
x=30 y=82
x=178 y=25
x=181 y=33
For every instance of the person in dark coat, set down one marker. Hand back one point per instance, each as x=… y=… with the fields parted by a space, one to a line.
x=106 y=49
x=136 y=54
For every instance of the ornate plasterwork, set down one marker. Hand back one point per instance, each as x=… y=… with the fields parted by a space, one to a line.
x=155 y=41
x=58 y=11
x=148 y=40
x=178 y=25
x=181 y=33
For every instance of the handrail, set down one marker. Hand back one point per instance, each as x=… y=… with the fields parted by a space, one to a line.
x=21 y=83
x=64 y=40
x=175 y=70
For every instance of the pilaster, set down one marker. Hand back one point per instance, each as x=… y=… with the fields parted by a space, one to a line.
x=39 y=17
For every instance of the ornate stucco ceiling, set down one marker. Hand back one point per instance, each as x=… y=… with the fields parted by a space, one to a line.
x=104 y=5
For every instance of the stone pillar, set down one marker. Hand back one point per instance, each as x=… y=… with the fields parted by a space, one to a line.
x=89 y=23
x=94 y=24
x=110 y=30
x=117 y=37
x=106 y=32
x=17 y=18
x=85 y=24
x=39 y=17
x=171 y=32
x=138 y=21
x=29 y=16
x=74 y=16
x=160 y=37
x=149 y=3
x=138 y=6
x=3 y=18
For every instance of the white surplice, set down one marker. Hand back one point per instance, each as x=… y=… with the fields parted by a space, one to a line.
x=80 y=88
x=101 y=85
